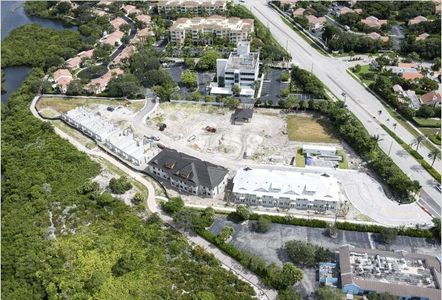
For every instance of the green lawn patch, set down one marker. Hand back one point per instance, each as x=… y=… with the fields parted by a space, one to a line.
x=343 y=164
x=300 y=158
x=309 y=129
x=427 y=122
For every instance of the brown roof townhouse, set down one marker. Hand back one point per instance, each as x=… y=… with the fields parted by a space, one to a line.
x=417 y=20
x=235 y=29
x=130 y=9
x=376 y=36
x=373 y=22
x=62 y=78
x=432 y=98
x=98 y=85
x=75 y=62
x=144 y=19
x=117 y=22
x=315 y=22
x=113 y=38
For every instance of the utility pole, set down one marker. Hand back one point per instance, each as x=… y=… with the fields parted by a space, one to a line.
x=389 y=150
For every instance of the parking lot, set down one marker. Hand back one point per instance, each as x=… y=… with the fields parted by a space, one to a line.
x=204 y=79
x=272 y=86
x=270 y=245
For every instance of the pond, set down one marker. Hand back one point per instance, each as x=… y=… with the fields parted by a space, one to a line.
x=13 y=16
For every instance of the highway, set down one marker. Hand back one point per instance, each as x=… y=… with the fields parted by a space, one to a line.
x=332 y=72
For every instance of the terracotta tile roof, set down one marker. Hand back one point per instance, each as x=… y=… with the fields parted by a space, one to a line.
x=345 y=10
x=412 y=76
x=144 y=18
x=130 y=9
x=117 y=22
x=417 y=20
x=373 y=22
x=422 y=37
x=312 y=20
x=299 y=12
x=100 y=83
x=431 y=98
x=62 y=77
x=127 y=52
x=113 y=38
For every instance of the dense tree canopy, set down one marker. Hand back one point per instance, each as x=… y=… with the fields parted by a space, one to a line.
x=34 y=45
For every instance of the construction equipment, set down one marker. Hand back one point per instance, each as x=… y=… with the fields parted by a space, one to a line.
x=210 y=129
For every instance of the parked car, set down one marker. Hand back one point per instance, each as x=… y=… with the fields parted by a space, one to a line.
x=155 y=138
x=191 y=138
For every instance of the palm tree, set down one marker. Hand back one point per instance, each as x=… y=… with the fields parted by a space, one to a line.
x=434 y=154
x=376 y=139
x=418 y=140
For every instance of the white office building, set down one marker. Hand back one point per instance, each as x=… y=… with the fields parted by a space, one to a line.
x=241 y=68
x=286 y=189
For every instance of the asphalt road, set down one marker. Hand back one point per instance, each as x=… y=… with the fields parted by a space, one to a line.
x=332 y=72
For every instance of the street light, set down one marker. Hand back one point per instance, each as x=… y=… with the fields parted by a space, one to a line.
x=345 y=96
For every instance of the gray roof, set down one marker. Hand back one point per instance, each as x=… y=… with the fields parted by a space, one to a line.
x=242 y=114
x=189 y=169
x=391 y=288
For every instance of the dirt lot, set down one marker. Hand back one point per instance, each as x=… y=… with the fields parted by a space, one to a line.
x=262 y=140
x=309 y=129
x=51 y=106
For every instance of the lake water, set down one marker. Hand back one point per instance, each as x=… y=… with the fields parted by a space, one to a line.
x=13 y=16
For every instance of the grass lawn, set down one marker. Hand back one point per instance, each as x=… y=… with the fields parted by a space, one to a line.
x=65 y=104
x=343 y=164
x=365 y=69
x=427 y=122
x=432 y=134
x=300 y=159
x=309 y=129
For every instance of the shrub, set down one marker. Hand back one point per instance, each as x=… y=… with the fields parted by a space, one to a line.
x=243 y=212
x=138 y=199
x=263 y=224
x=120 y=185
x=173 y=205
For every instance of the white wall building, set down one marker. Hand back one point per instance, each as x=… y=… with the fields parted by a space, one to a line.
x=241 y=68
x=319 y=150
x=186 y=6
x=206 y=29
x=285 y=189
x=123 y=143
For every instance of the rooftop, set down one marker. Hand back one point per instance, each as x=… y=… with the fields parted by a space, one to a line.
x=117 y=22
x=397 y=273
x=242 y=114
x=191 y=170
x=243 y=59
x=213 y=22
x=286 y=184
x=192 y=3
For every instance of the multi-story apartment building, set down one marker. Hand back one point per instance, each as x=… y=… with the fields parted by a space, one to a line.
x=204 y=30
x=285 y=189
x=188 y=174
x=241 y=68
x=190 y=6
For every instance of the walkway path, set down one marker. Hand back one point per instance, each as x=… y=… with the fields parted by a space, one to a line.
x=226 y=261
